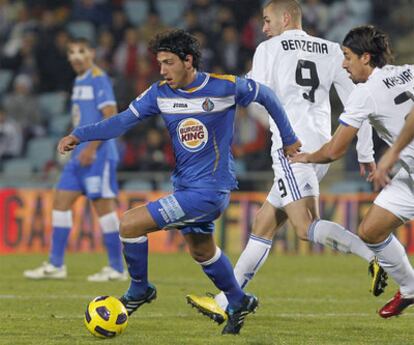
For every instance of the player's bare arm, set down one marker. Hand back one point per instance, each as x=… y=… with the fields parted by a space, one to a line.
x=380 y=177
x=332 y=150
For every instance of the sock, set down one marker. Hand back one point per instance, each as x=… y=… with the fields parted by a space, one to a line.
x=253 y=257
x=393 y=259
x=220 y=271
x=110 y=225
x=136 y=257
x=337 y=237
x=62 y=224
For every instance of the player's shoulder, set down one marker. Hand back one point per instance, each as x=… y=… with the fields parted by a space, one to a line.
x=223 y=77
x=97 y=72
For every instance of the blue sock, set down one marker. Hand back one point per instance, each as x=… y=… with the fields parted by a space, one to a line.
x=136 y=257
x=113 y=247
x=60 y=237
x=220 y=271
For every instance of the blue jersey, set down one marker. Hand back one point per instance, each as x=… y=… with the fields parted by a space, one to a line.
x=92 y=92
x=200 y=122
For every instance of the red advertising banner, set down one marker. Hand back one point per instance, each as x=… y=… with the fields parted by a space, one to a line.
x=25 y=222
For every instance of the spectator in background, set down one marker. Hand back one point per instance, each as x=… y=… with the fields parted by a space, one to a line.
x=252 y=33
x=344 y=15
x=152 y=26
x=229 y=51
x=191 y=22
x=206 y=12
x=55 y=73
x=152 y=154
x=104 y=51
x=22 y=105
x=119 y=24
x=93 y=11
x=249 y=140
x=316 y=16
x=23 y=61
x=126 y=59
x=11 y=140
x=206 y=51
x=23 y=24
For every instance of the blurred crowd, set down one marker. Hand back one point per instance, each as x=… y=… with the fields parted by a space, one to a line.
x=36 y=79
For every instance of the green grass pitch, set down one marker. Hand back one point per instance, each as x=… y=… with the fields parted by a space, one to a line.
x=303 y=300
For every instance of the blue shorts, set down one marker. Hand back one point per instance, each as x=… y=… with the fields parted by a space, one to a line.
x=190 y=210
x=96 y=181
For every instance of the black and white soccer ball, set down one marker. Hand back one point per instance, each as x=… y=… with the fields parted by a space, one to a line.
x=106 y=317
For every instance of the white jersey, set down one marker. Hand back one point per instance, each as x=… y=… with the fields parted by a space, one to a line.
x=301 y=69
x=384 y=99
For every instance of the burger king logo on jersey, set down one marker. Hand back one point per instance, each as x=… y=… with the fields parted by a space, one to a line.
x=192 y=134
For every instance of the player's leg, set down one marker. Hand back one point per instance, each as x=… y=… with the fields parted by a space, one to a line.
x=109 y=222
x=134 y=226
x=266 y=222
x=305 y=219
x=304 y=216
x=391 y=208
x=218 y=268
x=62 y=225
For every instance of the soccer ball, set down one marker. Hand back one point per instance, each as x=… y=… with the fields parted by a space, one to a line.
x=106 y=317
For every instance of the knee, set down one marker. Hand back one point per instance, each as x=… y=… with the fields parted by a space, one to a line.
x=302 y=229
x=201 y=256
x=263 y=227
x=367 y=233
x=128 y=228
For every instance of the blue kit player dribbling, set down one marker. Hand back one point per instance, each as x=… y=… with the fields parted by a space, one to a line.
x=198 y=110
x=91 y=171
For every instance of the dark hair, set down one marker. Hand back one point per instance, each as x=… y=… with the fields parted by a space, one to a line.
x=178 y=42
x=369 y=39
x=81 y=40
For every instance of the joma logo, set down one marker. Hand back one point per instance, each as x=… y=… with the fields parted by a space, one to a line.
x=180 y=105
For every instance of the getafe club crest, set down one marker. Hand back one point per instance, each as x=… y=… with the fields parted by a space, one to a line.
x=208 y=105
x=192 y=134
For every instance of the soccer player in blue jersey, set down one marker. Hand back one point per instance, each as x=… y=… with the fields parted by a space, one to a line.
x=198 y=110
x=91 y=171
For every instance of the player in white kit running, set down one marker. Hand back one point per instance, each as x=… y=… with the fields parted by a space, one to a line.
x=380 y=177
x=300 y=69
x=384 y=96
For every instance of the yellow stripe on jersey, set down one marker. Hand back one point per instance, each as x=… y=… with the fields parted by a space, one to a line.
x=217 y=152
x=228 y=77
x=162 y=82
x=96 y=72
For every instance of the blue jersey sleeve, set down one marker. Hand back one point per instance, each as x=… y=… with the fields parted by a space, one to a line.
x=267 y=98
x=109 y=128
x=246 y=91
x=104 y=94
x=146 y=103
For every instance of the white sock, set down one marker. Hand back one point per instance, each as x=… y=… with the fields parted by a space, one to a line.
x=337 y=237
x=393 y=259
x=250 y=261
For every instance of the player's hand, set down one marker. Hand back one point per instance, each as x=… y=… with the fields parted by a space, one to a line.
x=380 y=177
x=300 y=158
x=367 y=168
x=87 y=156
x=292 y=150
x=67 y=144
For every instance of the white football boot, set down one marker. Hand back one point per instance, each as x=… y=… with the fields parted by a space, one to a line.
x=46 y=271
x=108 y=274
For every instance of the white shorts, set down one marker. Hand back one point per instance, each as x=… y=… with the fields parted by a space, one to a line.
x=398 y=196
x=294 y=181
